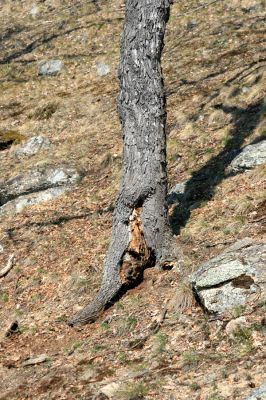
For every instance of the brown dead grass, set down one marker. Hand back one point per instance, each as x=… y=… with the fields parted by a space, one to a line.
x=58 y=265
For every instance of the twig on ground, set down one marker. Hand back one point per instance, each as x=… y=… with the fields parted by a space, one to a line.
x=8 y=266
x=198 y=8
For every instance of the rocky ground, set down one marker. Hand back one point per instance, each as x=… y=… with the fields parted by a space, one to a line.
x=60 y=155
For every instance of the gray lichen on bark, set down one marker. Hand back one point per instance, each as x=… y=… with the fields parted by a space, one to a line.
x=141 y=234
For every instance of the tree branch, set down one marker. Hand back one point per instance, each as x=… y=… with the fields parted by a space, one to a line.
x=8 y=266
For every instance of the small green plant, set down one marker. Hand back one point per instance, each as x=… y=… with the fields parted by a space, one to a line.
x=191 y=358
x=18 y=312
x=131 y=322
x=61 y=318
x=195 y=386
x=98 y=347
x=127 y=324
x=136 y=299
x=133 y=391
x=36 y=298
x=227 y=230
x=122 y=357
x=238 y=311
x=215 y=396
x=22 y=329
x=3 y=297
x=243 y=337
x=104 y=325
x=226 y=140
x=243 y=334
x=160 y=342
x=76 y=345
x=120 y=306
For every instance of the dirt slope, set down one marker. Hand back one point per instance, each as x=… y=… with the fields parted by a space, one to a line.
x=214 y=68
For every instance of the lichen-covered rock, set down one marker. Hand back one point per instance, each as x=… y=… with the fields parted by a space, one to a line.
x=234 y=278
x=258 y=394
x=250 y=157
x=50 y=67
x=35 y=186
x=33 y=146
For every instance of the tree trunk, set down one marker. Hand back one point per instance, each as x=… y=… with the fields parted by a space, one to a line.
x=141 y=235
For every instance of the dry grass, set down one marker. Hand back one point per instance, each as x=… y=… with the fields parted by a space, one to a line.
x=213 y=72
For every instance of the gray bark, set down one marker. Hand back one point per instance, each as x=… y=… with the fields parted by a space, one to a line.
x=141 y=235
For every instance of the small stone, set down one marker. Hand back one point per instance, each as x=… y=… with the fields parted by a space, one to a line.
x=210 y=378
x=36 y=360
x=234 y=325
x=50 y=67
x=34 y=11
x=110 y=390
x=176 y=194
x=88 y=375
x=102 y=69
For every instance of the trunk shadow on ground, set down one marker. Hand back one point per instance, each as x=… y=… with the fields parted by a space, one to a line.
x=201 y=186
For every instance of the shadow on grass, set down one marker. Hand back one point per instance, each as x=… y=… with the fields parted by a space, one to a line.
x=201 y=186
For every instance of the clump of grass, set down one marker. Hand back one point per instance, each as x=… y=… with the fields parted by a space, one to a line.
x=127 y=324
x=7 y=138
x=44 y=112
x=238 y=311
x=183 y=297
x=195 y=386
x=243 y=339
x=133 y=391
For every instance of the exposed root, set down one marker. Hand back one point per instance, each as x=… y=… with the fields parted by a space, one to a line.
x=135 y=259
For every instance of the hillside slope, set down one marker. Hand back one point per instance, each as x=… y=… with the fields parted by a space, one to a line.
x=214 y=70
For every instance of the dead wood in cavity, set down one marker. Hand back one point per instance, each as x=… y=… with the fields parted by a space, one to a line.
x=138 y=256
x=8 y=267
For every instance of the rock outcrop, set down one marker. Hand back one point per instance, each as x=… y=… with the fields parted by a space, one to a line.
x=250 y=157
x=33 y=146
x=35 y=186
x=234 y=278
x=258 y=394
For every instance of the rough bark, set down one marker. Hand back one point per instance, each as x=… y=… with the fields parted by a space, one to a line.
x=141 y=235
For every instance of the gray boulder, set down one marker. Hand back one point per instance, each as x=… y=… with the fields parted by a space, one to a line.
x=17 y=205
x=35 y=186
x=258 y=394
x=33 y=146
x=50 y=67
x=250 y=157
x=234 y=278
